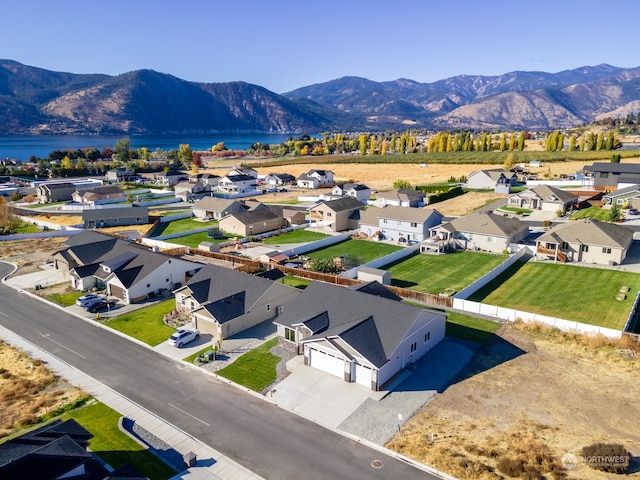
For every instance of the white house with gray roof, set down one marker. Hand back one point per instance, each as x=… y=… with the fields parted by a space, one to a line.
x=493 y=179
x=587 y=240
x=223 y=302
x=543 y=197
x=399 y=223
x=357 y=336
x=356 y=190
x=479 y=231
x=403 y=197
x=216 y=208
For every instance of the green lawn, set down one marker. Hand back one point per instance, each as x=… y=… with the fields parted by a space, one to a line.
x=184 y=225
x=586 y=295
x=196 y=239
x=516 y=210
x=300 y=283
x=298 y=236
x=434 y=273
x=65 y=299
x=592 y=212
x=26 y=228
x=367 y=250
x=146 y=323
x=255 y=369
x=114 y=446
x=474 y=329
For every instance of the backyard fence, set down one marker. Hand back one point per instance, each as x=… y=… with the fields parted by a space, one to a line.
x=511 y=315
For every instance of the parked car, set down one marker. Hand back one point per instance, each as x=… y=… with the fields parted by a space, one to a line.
x=88 y=298
x=183 y=336
x=632 y=211
x=99 y=305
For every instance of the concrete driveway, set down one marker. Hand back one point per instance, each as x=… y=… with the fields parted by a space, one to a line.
x=317 y=395
x=189 y=349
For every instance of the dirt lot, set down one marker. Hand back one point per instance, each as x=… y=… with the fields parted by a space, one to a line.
x=529 y=397
x=30 y=254
x=28 y=389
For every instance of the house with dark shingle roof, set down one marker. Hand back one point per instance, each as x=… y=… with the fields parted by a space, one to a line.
x=356 y=190
x=278 y=179
x=403 y=197
x=338 y=214
x=97 y=195
x=252 y=222
x=55 y=192
x=216 y=208
x=129 y=271
x=587 y=240
x=399 y=223
x=357 y=336
x=115 y=217
x=478 y=231
x=611 y=176
x=315 y=178
x=543 y=197
x=224 y=302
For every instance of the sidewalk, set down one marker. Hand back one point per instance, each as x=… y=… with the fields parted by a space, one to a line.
x=210 y=464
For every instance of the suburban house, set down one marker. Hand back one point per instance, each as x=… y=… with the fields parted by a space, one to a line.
x=291 y=215
x=628 y=196
x=244 y=171
x=252 y=222
x=187 y=191
x=57 y=450
x=357 y=336
x=478 y=231
x=224 y=302
x=612 y=176
x=338 y=214
x=97 y=195
x=216 y=208
x=128 y=271
x=55 y=192
x=167 y=179
x=494 y=179
x=315 y=179
x=587 y=240
x=240 y=183
x=207 y=179
x=399 y=223
x=121 y=174
x=278 y=179
x=543 y=197
x=115 y=217
x=356 y=190
x=403 y=197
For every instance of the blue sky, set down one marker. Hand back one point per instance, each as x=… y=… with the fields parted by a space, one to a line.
x=283 y=44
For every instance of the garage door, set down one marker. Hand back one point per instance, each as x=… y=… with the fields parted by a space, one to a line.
x=363 y=375
x=117 y=292
x=326 y=362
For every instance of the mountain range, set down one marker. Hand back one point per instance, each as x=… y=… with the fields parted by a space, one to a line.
x=35 y=100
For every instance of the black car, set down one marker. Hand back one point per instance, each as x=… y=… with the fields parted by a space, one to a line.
x=632 y=211
x=100 y=306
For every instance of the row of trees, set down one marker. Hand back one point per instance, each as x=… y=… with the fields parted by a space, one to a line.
x=589 y=141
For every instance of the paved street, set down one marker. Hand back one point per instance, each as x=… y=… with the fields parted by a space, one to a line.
x=239 y=425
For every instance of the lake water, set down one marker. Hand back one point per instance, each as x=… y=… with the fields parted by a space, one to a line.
x=21 y=147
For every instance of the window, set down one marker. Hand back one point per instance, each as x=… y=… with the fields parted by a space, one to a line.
x=414 y=224
x=384 y=220
x=414 y=347
x=289 y=334
x=564 y=246
x=279 y=309
x=328 y=214
x=584 y=248
x=268 y=307
x=427 y=337
x=183 y=300
x=604 y=174
x=491 y=240
x=166 y=280
x=606 y=250
x=148 y=285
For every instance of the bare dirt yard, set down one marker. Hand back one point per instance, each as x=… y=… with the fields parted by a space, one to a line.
x=526 y=399
x=29 y=390
x=29 y=255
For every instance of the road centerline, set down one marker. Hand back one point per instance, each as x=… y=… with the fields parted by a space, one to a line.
x=61 y=345
x=187 y=413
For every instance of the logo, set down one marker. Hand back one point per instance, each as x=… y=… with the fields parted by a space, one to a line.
x=569 y=461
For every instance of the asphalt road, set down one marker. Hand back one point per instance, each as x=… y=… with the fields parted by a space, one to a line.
x=270 y=441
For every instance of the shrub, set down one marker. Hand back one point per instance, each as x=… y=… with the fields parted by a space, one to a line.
x=607 y=457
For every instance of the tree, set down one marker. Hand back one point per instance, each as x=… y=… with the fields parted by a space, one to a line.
x=521 y=139
x=66 y=163
x=122 y=150
x=324 y=265
x=185 y=154
x=615 y=213
x=8 y=221
x=362 y=141
x=398 y=184
x=509 y=162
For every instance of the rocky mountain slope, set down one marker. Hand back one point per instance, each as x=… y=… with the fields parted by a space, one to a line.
x=34 y=100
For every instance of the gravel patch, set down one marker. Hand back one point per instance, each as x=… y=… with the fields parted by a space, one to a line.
x=160 y=449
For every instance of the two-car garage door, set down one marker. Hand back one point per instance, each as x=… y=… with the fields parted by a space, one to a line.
x=326 y=362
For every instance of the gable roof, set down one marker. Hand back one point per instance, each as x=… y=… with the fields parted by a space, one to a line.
x=546 y=191
x=623 y=191
x=115 y=212
x=238 y=177
x=402 y=194
x=285 y=177
x=485 y=223
x=251 y=217
x=353 y=186
x=58 y=186
x=214 y=204
x=341 y=204
x=393 y=212
x=602 y=167
x=374 y=325
x=375 y=288
x=100 y=190
x=589 y=231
